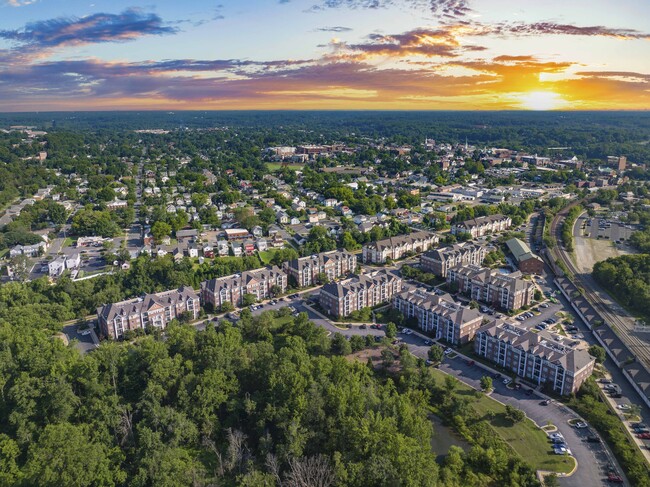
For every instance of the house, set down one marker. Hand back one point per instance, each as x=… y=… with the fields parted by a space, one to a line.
x=117 y=204
x=282 y=217
x=237 y=249
x=187 y=235
x=56 y=267
x=208 y=251
x=249 y=247
x=257 y=231
x=73 y=261
x=222 y=247
x=295 y=221
x=237 y=234
x=193 y=251
x=261 y=245
x=149 y=311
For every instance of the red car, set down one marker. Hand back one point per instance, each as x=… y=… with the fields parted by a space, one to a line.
x=616 y=479
x=644 y=436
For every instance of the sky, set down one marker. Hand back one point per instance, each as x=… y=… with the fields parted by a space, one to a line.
x=324 y=54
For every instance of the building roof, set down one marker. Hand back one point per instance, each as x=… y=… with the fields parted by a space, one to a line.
x=146 y=303
x=520 y=251
x=542 y=344
x=411 y=238
x=359 y=283
x=441 y=304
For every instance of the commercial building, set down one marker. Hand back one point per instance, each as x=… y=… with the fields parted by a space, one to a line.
x=397 y=247
x=507 y=291
x=152 y=310
x=334 y=264
x=231 y=289
x=539 y=357
x=367 y=290
x=440 y=260
x=527 y=262
x=484 y=225
x=439 y=315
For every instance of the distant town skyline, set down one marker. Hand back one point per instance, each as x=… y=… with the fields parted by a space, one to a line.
x=324 y=54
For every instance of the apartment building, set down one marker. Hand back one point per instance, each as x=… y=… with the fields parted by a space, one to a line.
x=439 y=261
x=484 y=225
x=506 y=291
x=231 y=289
x=397 y=247
x=334 y=264
x=439 y=315
x=540 y=357
x=152 y=310
x=367 y=290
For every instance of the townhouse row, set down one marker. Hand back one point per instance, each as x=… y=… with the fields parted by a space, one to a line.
x=481 y=226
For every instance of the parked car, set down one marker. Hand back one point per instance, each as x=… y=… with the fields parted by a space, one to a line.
x=427 y=342
x=448 y=351
x=615 y=478
x=507 y=380
x=644 y=436
x=556 y=435
x=581 y=425
x=562 y=450
x=624 y=407
x=593 y=439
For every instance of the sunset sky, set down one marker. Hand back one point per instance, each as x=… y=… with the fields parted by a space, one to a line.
x=324 y=54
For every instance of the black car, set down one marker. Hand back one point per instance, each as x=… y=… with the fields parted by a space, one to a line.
x=529 y=392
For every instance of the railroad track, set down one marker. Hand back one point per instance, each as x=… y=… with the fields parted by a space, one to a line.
x=623 y=328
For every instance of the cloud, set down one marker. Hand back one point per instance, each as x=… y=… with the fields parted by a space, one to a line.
x=19 y=3
x=97 y=28
x=450 y=8
x=336 y=28
x=552 y=28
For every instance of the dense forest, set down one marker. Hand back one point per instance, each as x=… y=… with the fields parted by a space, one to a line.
x=269 y=402
x=628 y=279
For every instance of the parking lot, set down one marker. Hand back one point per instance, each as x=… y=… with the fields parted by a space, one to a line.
x=601 y=228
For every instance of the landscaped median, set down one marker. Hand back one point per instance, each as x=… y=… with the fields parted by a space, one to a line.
x=525 y=438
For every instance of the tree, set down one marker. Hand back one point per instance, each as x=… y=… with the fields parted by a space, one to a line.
x=551 y=480
x=514 y=414
x=160 y=230
x=391 y=330
x=249 y=299
x=598 y=353
x=357 y=342
x=321 y=278
x=276 y=290
x=451 y=383
x=387 y=357
x=340 y=345
x=436 y=354
x=20 y=266
x=486 y=383
x=538 y=295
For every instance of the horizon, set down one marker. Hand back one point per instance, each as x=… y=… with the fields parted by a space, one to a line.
x=324 y=55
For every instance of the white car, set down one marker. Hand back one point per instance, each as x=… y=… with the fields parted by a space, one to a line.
x=556 y=436
x=507 y=380
x=407 y=331
x=85 y=332
x=580 y=425
x=448 y=351
x=562 y=450
x=624 y=407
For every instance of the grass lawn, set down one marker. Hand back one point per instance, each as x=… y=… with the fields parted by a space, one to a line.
x=530 y=442
x=67 y=242
x=266 y=256
x=3 y=253
x=276 y=166
x=283 y=320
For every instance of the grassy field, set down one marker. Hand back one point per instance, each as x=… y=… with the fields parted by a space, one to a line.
x=266 y=256
x=281 y=321
x=525 y=438
x=276 y=166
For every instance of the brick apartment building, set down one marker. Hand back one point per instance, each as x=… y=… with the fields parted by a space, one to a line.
x=440 y=260
x=152 y=310
x=484 y=225
x=334 y=264
x=538 y=357
x=490 y=286
x=232 y=289
x=397 y=247
x=342 y=298
x=439 y=314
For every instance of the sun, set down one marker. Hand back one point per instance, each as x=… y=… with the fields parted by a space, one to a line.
x=541 y=100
